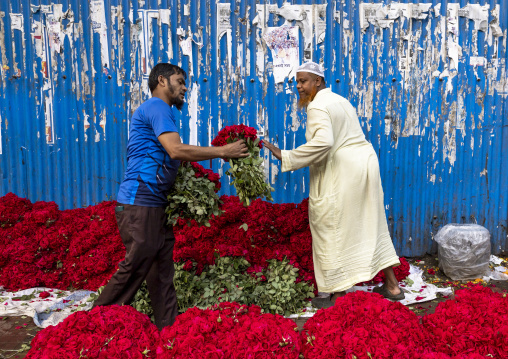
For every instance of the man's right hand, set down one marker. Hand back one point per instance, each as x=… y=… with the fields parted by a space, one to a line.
x=237 y=149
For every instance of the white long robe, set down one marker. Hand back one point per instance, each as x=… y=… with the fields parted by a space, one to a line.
x=350 y=238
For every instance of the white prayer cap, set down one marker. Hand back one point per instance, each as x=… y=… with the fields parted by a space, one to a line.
x=311 y=67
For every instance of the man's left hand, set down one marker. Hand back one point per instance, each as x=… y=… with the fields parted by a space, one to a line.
x=275 y=150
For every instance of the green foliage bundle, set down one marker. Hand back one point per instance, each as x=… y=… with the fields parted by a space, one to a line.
x=275 y=289
x=194 y=195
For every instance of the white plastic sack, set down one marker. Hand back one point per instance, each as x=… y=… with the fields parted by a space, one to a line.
x=463 y=251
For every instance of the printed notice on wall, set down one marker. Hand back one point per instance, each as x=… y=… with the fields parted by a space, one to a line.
x=283 y=43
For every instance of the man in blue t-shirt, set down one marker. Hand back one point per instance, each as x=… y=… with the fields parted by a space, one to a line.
x=154 y=153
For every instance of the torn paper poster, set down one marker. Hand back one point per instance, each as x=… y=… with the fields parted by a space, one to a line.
x=37 y=39
x=495 y=29
x=45 y=305
x=304 y=17
x=98 y=15
x=477 y=61
x=17 y=22
x=409 y=11
x=224 y=27
x=223 y=19
x=454 y=52
x=283 y=43
x=384 y=15
x=370 y=13
x=310 y=19
x=478 y=13
x=55 y=37
x=320 y=22
x=186 y=46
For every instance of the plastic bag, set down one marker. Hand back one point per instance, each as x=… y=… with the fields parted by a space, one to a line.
x=463 y=250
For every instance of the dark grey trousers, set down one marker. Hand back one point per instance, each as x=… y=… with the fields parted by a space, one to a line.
x=149 y=243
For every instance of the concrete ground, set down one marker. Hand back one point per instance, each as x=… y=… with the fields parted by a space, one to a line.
x=16 y=333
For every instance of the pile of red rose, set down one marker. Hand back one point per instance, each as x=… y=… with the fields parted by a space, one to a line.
x=360 y=325
x=41 y=246
x=104 y=332
x=229 y=330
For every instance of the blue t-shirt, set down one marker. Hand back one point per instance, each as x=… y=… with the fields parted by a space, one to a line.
x=150 y=171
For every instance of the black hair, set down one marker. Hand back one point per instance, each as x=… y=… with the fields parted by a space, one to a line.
x=163 y=69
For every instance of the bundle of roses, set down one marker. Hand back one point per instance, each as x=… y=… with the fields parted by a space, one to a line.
x=247 y=173
x=229 y=330
x=364 y=325
x=104 y=332
x=41 y=246
x=476 y=321
x=193 y=198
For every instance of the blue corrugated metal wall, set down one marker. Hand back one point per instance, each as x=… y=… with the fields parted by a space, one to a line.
x=72 y=73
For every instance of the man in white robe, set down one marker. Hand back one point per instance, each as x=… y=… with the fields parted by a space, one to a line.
x=350 y=238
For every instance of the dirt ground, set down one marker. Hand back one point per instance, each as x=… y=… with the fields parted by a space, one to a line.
x=16 y=333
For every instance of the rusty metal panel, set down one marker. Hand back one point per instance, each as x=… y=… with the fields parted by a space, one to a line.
x=429 y=82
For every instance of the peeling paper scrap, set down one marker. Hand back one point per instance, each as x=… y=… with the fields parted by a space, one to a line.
x=165 y=15
x=478 y=13
x=477 y=61
x=454 y=52
x=194 y=115
x=16 y=21
x=186 y=46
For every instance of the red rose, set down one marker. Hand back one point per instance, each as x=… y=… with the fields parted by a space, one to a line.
x=44 y=294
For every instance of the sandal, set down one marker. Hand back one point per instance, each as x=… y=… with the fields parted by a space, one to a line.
x=386 y=293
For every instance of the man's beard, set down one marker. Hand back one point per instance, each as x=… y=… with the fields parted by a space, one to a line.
x=304 y=100
x=176 y=100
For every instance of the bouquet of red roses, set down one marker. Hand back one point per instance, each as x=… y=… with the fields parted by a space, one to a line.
x=194 y=195
x=247 y=173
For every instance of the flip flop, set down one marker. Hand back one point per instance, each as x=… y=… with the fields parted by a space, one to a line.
x=386 y=293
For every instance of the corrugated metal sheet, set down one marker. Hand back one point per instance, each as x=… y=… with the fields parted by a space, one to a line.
x=73 y=72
